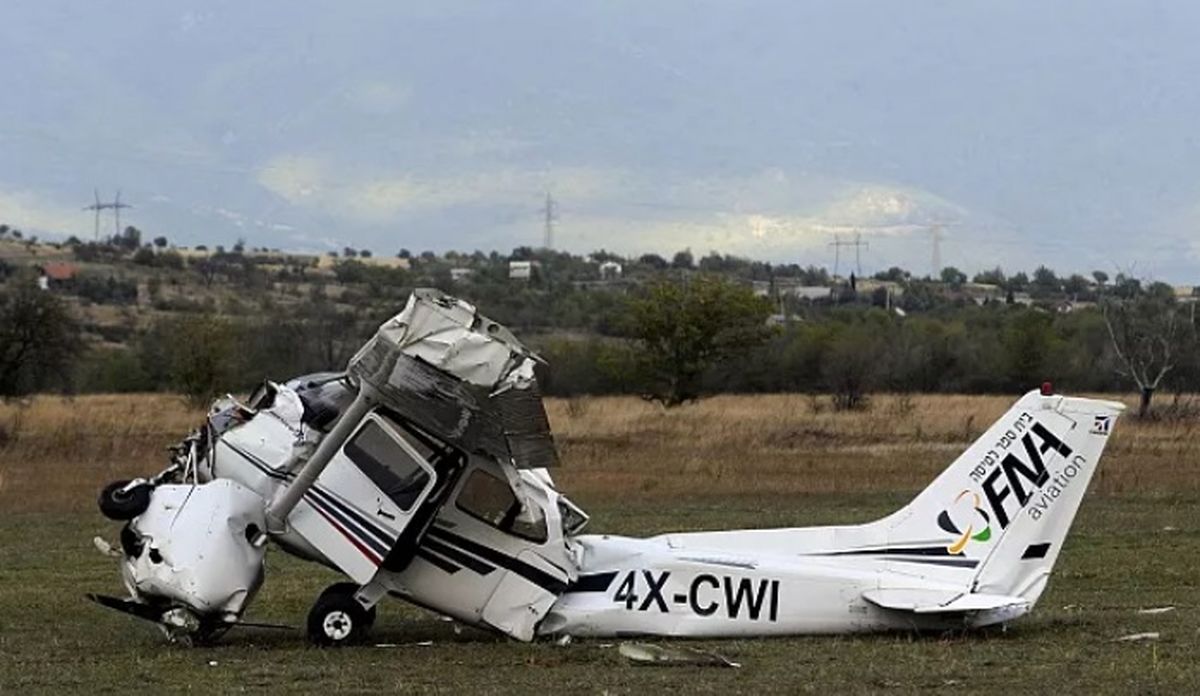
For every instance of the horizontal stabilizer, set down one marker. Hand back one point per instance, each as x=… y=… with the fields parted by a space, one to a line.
x=930 y=601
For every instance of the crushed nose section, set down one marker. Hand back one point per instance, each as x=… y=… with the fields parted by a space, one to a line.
x=192 y=548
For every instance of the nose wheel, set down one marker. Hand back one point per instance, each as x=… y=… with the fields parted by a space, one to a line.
x=117 y=503
x=337 y=618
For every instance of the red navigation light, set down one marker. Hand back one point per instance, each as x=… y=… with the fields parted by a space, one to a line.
x=1047 y=389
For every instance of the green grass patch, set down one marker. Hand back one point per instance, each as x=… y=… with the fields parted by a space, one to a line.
x=1125 y=553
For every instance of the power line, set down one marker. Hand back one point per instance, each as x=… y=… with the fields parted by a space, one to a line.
x=858 y=245
x=935 y=238
x=97 y=207
x=936 y=232
x=114 y=206
x=550 y=215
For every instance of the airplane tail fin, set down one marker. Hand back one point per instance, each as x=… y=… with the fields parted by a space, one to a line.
x=1004 y=507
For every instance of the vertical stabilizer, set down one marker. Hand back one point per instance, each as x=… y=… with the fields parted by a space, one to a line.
x=1005 y=506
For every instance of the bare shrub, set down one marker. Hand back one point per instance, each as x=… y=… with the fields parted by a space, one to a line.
x=850 y=399
x=902 y=406
x=10 y=432
x=968 y=428
x=577 y=407
x=851 y=368
x=1149 y=333
x=1183 y=408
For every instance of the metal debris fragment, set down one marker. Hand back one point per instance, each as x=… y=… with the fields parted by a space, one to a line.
x=105 y=548
x=648 y=654
x=1156 y=610
x=1137 y=637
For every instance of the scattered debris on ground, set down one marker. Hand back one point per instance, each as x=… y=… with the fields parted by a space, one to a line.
x=648 y=654
x=1137 y=637
x=1156 y=610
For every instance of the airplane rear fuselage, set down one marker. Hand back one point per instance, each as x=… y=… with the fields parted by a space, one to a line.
x=632 y=586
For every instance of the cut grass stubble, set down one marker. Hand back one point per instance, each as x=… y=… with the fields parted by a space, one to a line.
x=730 y=461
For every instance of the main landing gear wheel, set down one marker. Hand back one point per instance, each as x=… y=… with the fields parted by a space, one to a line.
x=119 y=504
x=337 y=618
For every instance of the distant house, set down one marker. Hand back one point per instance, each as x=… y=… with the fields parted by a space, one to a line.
x=520 y=270
x=459 y=274
x=792 y=287
x=982 y=293
x=56 y=273
x=1185 y=293
x=610 y=270
x=781 y=319
x=812 y=293
x=867 y=286
x=1068 y=306
x=328 y=262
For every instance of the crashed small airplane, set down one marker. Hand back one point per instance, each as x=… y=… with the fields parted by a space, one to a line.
x=421 y=472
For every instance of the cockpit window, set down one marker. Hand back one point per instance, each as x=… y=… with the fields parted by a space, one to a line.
x=490 y=499
x=324 y=397
x=387 y=464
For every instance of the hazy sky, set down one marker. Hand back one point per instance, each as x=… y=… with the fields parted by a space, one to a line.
x=1062 y=133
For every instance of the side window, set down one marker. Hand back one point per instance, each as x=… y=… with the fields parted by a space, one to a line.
x=388 y=466
x=491 y=500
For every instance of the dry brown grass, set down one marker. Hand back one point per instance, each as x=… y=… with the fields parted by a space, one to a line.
x=789 y=444
x=60 y=451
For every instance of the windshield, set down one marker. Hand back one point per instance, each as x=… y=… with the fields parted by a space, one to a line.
x=388 y=465
x=490 y=499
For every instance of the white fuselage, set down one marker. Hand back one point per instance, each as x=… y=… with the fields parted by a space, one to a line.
x=659 y=586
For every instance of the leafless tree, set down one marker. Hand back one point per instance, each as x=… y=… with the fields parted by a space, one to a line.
x=1149 y=331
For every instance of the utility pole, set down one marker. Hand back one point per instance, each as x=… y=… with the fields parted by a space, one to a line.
x=115 y=206
x=549 y=215
x=97 y=207
x=837 y=245
x=858 y=246
x=936 y=233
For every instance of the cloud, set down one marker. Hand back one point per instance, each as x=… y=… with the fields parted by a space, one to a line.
x=890 y=210
x=312 y=182
x=872 y=210
x=769 y=214
x=378 y=97
x=31 y=212
x=295 y=178
x=761 y=235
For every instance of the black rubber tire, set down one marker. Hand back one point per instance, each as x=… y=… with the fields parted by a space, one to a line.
x=119 y=505
x=349 y=588
x=336 y=618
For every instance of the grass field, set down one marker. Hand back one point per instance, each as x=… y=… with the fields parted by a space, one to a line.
x=726 y=462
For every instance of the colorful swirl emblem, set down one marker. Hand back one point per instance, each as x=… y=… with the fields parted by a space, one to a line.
x=966 y=520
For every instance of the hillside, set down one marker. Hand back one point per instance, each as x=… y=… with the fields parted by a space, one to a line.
x=269 y=313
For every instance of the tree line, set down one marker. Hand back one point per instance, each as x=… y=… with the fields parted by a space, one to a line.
x=671 y=330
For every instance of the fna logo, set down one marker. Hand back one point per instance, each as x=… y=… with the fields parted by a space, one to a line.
x=966 y=520
x=1026 y=481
